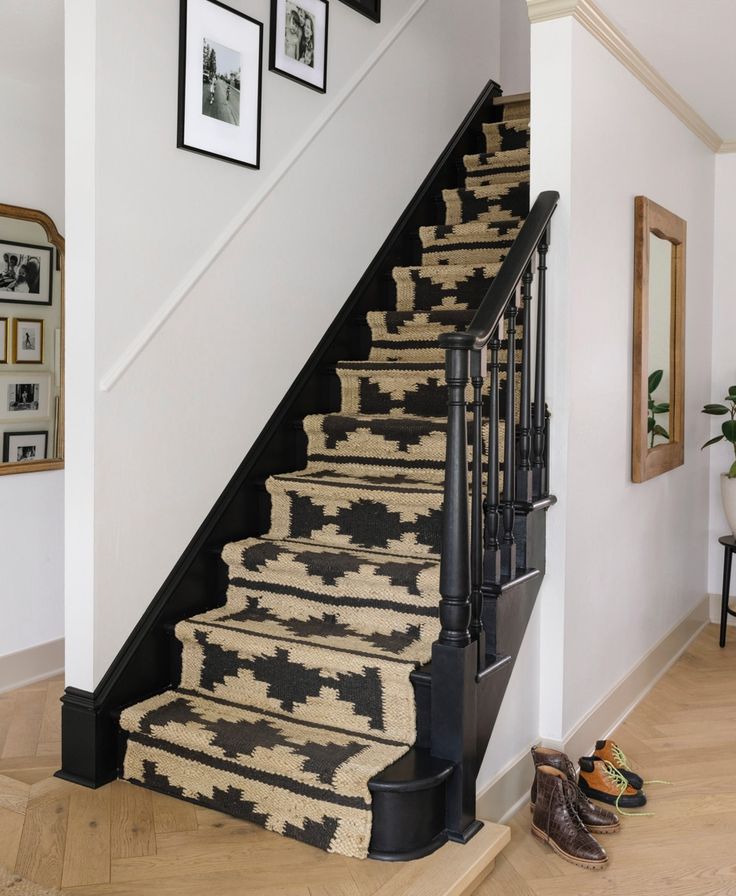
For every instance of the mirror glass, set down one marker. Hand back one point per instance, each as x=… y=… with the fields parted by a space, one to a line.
x=31 y=341
x=659 y=336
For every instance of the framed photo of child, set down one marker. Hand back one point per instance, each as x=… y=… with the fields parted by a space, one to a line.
x=299 y=41
x=220 y=54
x=25 y=273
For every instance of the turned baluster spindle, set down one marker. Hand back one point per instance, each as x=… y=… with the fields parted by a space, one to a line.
x=455 y=560
x=539 y=424
x=508 y=509
x=492 y=557
x=478 y=369
x=524 y=470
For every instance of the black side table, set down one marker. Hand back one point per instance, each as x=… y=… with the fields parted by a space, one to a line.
x=729 y=547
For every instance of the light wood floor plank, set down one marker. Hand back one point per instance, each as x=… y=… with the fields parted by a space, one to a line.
x=132 y=832
x=172 y=816
x=41 y=850
x=87 y=855
x=11 y=827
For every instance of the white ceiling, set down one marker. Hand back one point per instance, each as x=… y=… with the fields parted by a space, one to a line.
x=692 y=44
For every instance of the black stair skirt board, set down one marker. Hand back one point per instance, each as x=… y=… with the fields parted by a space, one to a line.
x=142 y=667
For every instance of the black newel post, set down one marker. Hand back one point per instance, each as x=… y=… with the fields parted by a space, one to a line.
x=538 y=437
x=454 y=656
x=508 y=509
x=524 y=470
x=478 y=367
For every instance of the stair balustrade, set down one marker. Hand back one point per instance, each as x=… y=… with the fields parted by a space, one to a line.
x=478 y=544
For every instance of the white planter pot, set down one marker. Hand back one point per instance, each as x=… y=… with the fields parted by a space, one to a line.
x=728 y=494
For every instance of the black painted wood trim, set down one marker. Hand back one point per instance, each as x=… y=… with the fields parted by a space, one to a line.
x=144 y=664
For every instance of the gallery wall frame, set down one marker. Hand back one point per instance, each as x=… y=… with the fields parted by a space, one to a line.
x=298 y=41
x=4 y=330
x=26 y=273
x=56 y=409
x=28 y=335
x=220 y=82
x=369 y=8
x=25 y=447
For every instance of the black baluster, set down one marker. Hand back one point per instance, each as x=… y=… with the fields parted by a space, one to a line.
x=508 y=510
x=545 y=471
x=524 y=470
x=538 y=436
x=492 y=554
x=455 y=561
x=478 y=368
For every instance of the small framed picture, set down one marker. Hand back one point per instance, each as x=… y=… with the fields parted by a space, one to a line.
x=25 y=273
x=24 y=446
x=299 y=41
x=370 y=8
x=220 y=57
x=3 y=340
x=24 y=395
x=27 y=341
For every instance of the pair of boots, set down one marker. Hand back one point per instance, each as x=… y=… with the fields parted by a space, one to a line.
x=563 y=816
x=606 y=776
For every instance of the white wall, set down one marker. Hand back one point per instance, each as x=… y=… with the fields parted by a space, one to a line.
x=168 y=433
x=724 y=357
x=515 y=47
x=635 y=554
x=32 y=175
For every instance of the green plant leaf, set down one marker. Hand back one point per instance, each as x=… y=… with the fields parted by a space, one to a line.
x=650 y=403
x=662 y=408
x=729 y=430
x=732 y=392
x=712 y=442
x=661 y=431
x=655 y=378
x=715 y=409
x=650 y=424
x=732 y=471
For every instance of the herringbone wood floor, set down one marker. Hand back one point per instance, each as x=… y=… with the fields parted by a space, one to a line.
x=124 y=840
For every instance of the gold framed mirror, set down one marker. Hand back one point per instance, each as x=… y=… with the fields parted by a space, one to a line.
x=658 y=407
x=31 y=342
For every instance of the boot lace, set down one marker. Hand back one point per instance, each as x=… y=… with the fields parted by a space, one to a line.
x=619 y=781
x=623 y=763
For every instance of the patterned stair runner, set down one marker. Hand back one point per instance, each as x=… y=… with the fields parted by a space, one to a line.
x=296 y=692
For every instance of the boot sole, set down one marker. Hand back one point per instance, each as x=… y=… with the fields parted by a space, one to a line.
x=626 y=802
x=581 y=863
x=591 y=828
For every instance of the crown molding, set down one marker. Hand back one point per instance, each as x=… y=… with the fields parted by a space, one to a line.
x=727 y=146
x=603 y=29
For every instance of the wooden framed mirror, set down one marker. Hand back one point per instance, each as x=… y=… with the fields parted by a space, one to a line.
x=31 y=342
x=658 y=424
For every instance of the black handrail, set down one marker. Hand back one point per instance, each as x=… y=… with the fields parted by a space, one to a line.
x=512 y=269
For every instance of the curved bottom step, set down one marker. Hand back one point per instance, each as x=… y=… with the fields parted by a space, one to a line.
x=408 y=803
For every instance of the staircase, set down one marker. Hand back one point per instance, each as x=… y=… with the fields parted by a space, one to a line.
x=336 y=675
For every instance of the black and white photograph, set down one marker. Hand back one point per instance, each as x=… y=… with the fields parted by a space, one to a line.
x=3 y=340
x=27 y=341
x=25 y=273
x=24 y=446
x=369 y=8
x=298 y=45
x=220 y=56
x=24 y=395
x=220 y=82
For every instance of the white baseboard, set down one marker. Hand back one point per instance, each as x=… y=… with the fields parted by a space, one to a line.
x=509 y=789
x=714 y=607
x=32 y=664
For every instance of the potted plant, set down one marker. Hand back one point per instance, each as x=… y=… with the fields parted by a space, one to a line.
x=728 y=432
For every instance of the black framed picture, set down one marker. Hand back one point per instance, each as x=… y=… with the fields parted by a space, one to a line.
x=299 y=41
x=24 y=446
x=25 y=273
x=220 y=58
x=370 y=8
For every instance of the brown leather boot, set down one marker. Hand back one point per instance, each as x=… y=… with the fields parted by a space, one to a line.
x=557 y=822
x=595 y=818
